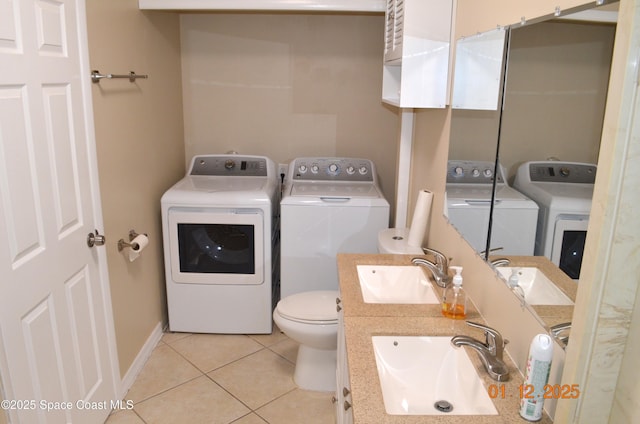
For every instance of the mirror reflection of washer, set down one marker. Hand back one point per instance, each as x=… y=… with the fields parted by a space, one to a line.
x=220 y=231
x=469 y=186
x=563 y=190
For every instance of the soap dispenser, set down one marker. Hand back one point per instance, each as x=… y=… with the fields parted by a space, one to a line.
x=513 y=279
x=454 y=301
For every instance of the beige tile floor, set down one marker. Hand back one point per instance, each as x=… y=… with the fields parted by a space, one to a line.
x=223 y=379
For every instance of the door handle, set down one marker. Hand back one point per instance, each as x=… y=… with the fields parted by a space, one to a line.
x=96 y=239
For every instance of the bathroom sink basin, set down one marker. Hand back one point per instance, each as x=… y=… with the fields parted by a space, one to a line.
x=395 y=284
x=427 y=375
x=536 y=287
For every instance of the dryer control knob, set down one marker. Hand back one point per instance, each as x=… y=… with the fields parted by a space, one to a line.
x=230 y=164
x=458 y=171
x=475 y=172
x=333 y=169
x=564 y=171
x=302 y=169
x=351 y=170
x=488 y=173
x=363 y=170
x=315 y=169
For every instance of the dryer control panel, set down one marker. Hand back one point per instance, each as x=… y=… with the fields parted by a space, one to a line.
x=229 y=165
x=562 y=172
x=332 y=169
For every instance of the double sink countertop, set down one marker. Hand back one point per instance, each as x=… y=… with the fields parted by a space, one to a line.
x=364 y=320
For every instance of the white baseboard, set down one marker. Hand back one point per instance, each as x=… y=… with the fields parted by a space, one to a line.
x=141 y=359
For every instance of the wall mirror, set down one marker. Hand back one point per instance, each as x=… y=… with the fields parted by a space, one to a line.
x=476 y=102
x=554 y=95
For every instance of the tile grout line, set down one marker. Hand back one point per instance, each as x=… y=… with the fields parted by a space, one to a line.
x=206 y=374
x=263 y=346
x=168 y=389
x=221 y=366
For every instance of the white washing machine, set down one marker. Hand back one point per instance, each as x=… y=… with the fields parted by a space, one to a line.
x=328 y=206
x=563 y=190
x=469 y=188
x=220 y=230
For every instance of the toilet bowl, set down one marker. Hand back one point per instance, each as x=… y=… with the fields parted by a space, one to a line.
x=311 y=319
x=394 y=240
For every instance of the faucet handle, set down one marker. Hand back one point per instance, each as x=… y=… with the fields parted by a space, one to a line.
x=500 y=262
x=559 y=328
x=561 y=332
x=441 y=260
x=494 y=340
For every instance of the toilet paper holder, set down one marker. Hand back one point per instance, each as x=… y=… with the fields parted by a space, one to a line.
x=132 y=235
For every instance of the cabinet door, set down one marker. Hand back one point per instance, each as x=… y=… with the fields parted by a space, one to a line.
x=344 y=412
x=393 y=34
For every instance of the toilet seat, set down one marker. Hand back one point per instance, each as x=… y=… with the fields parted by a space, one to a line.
x=314 y=308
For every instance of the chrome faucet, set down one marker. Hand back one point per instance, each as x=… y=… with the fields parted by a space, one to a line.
x=500 y=262
x=490 y=352
x=439 y=269
x=441 y=260
x=561 y=333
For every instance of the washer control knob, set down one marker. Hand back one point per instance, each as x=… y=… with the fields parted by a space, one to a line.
x=564 y=171
x=475 y=172
x=315 y=168
x=363 y=170
x=458 y=171
x=487 y=173
x=302 y=168
x=333 y=169
x=351 y=170
x=230 y=164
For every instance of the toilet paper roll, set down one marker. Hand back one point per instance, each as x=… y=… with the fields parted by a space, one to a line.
x=420 y=221
x=137 y=245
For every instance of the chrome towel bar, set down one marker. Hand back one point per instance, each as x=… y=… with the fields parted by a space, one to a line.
x=96 y=76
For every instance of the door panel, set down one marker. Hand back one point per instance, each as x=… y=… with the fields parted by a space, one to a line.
x=18 y=185
x=56 y=329
x=87 y=356
x=62 y=153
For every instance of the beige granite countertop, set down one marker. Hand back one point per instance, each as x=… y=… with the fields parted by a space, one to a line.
x=362 y=321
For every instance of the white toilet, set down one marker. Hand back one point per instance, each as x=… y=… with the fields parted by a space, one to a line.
x=311 y=319
x=394 y=240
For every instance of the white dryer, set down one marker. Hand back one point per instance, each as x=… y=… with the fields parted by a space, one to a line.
x=563 y=190
x=329 y=206
x=469 y=188
x=219 y=225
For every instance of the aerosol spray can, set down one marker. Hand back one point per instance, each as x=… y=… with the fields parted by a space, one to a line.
x=536 y=377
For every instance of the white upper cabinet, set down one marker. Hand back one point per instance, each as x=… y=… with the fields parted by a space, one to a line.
x=416 y=55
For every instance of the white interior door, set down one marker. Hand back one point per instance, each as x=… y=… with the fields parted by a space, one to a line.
x=56 y=325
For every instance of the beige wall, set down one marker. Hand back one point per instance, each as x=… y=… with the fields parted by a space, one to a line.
x=554 y=104
x=288 y=85
x=139 y=135
x=3 y=414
